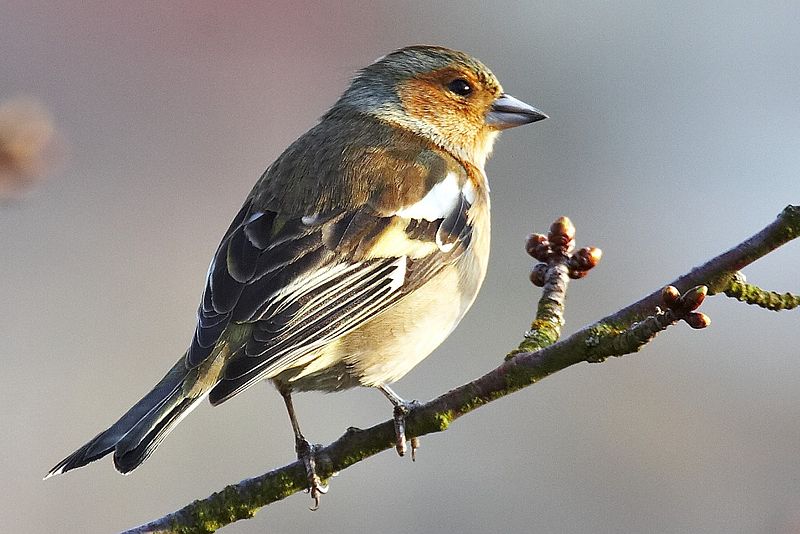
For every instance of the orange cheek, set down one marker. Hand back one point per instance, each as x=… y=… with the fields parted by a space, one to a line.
x=424 y=99
x=421 y=100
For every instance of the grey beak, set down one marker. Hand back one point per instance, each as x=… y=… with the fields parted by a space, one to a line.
x=508 y=112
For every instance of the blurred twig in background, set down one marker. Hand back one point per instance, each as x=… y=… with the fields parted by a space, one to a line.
x=28 y=146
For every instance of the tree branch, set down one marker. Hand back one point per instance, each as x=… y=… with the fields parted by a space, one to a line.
x=620 y=333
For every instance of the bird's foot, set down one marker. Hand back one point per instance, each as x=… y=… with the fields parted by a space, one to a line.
x=401 y=410
x=305 y=453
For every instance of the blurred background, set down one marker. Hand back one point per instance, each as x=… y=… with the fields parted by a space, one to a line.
x=674 y=134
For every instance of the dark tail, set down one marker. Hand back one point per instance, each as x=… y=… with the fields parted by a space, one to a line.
x=137 y=433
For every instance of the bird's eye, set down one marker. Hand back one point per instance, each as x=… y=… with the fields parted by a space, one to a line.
x=460 y=87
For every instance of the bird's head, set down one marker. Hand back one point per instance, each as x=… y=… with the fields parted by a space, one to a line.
x=447 y=96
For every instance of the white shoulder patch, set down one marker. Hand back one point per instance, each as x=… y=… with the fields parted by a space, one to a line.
x=439 y=201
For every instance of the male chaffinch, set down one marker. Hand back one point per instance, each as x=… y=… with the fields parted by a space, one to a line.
x=355 y=255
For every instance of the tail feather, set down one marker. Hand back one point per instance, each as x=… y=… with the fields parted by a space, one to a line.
x=129 y=457
x=137 y=433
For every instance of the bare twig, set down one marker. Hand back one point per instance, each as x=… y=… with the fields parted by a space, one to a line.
x=608 y=337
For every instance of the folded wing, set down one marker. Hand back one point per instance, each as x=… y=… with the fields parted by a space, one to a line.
x=302 y=282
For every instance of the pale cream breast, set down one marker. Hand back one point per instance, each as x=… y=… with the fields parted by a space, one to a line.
x=389 y=346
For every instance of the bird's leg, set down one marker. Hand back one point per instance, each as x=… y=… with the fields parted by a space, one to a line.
x=305 y=452
x=401 y=409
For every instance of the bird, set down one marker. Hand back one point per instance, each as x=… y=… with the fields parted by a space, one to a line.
x=354 y=256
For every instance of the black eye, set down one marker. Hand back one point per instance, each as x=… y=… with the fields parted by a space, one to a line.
x=460 y=87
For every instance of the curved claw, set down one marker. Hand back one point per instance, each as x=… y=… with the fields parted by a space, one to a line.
x=316 y=489
x=414 y=447
x=305 y=453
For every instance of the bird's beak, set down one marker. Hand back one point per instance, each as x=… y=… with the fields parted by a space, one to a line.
x=507 y=112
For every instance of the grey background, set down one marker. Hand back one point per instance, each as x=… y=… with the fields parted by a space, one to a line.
x=674 y=135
